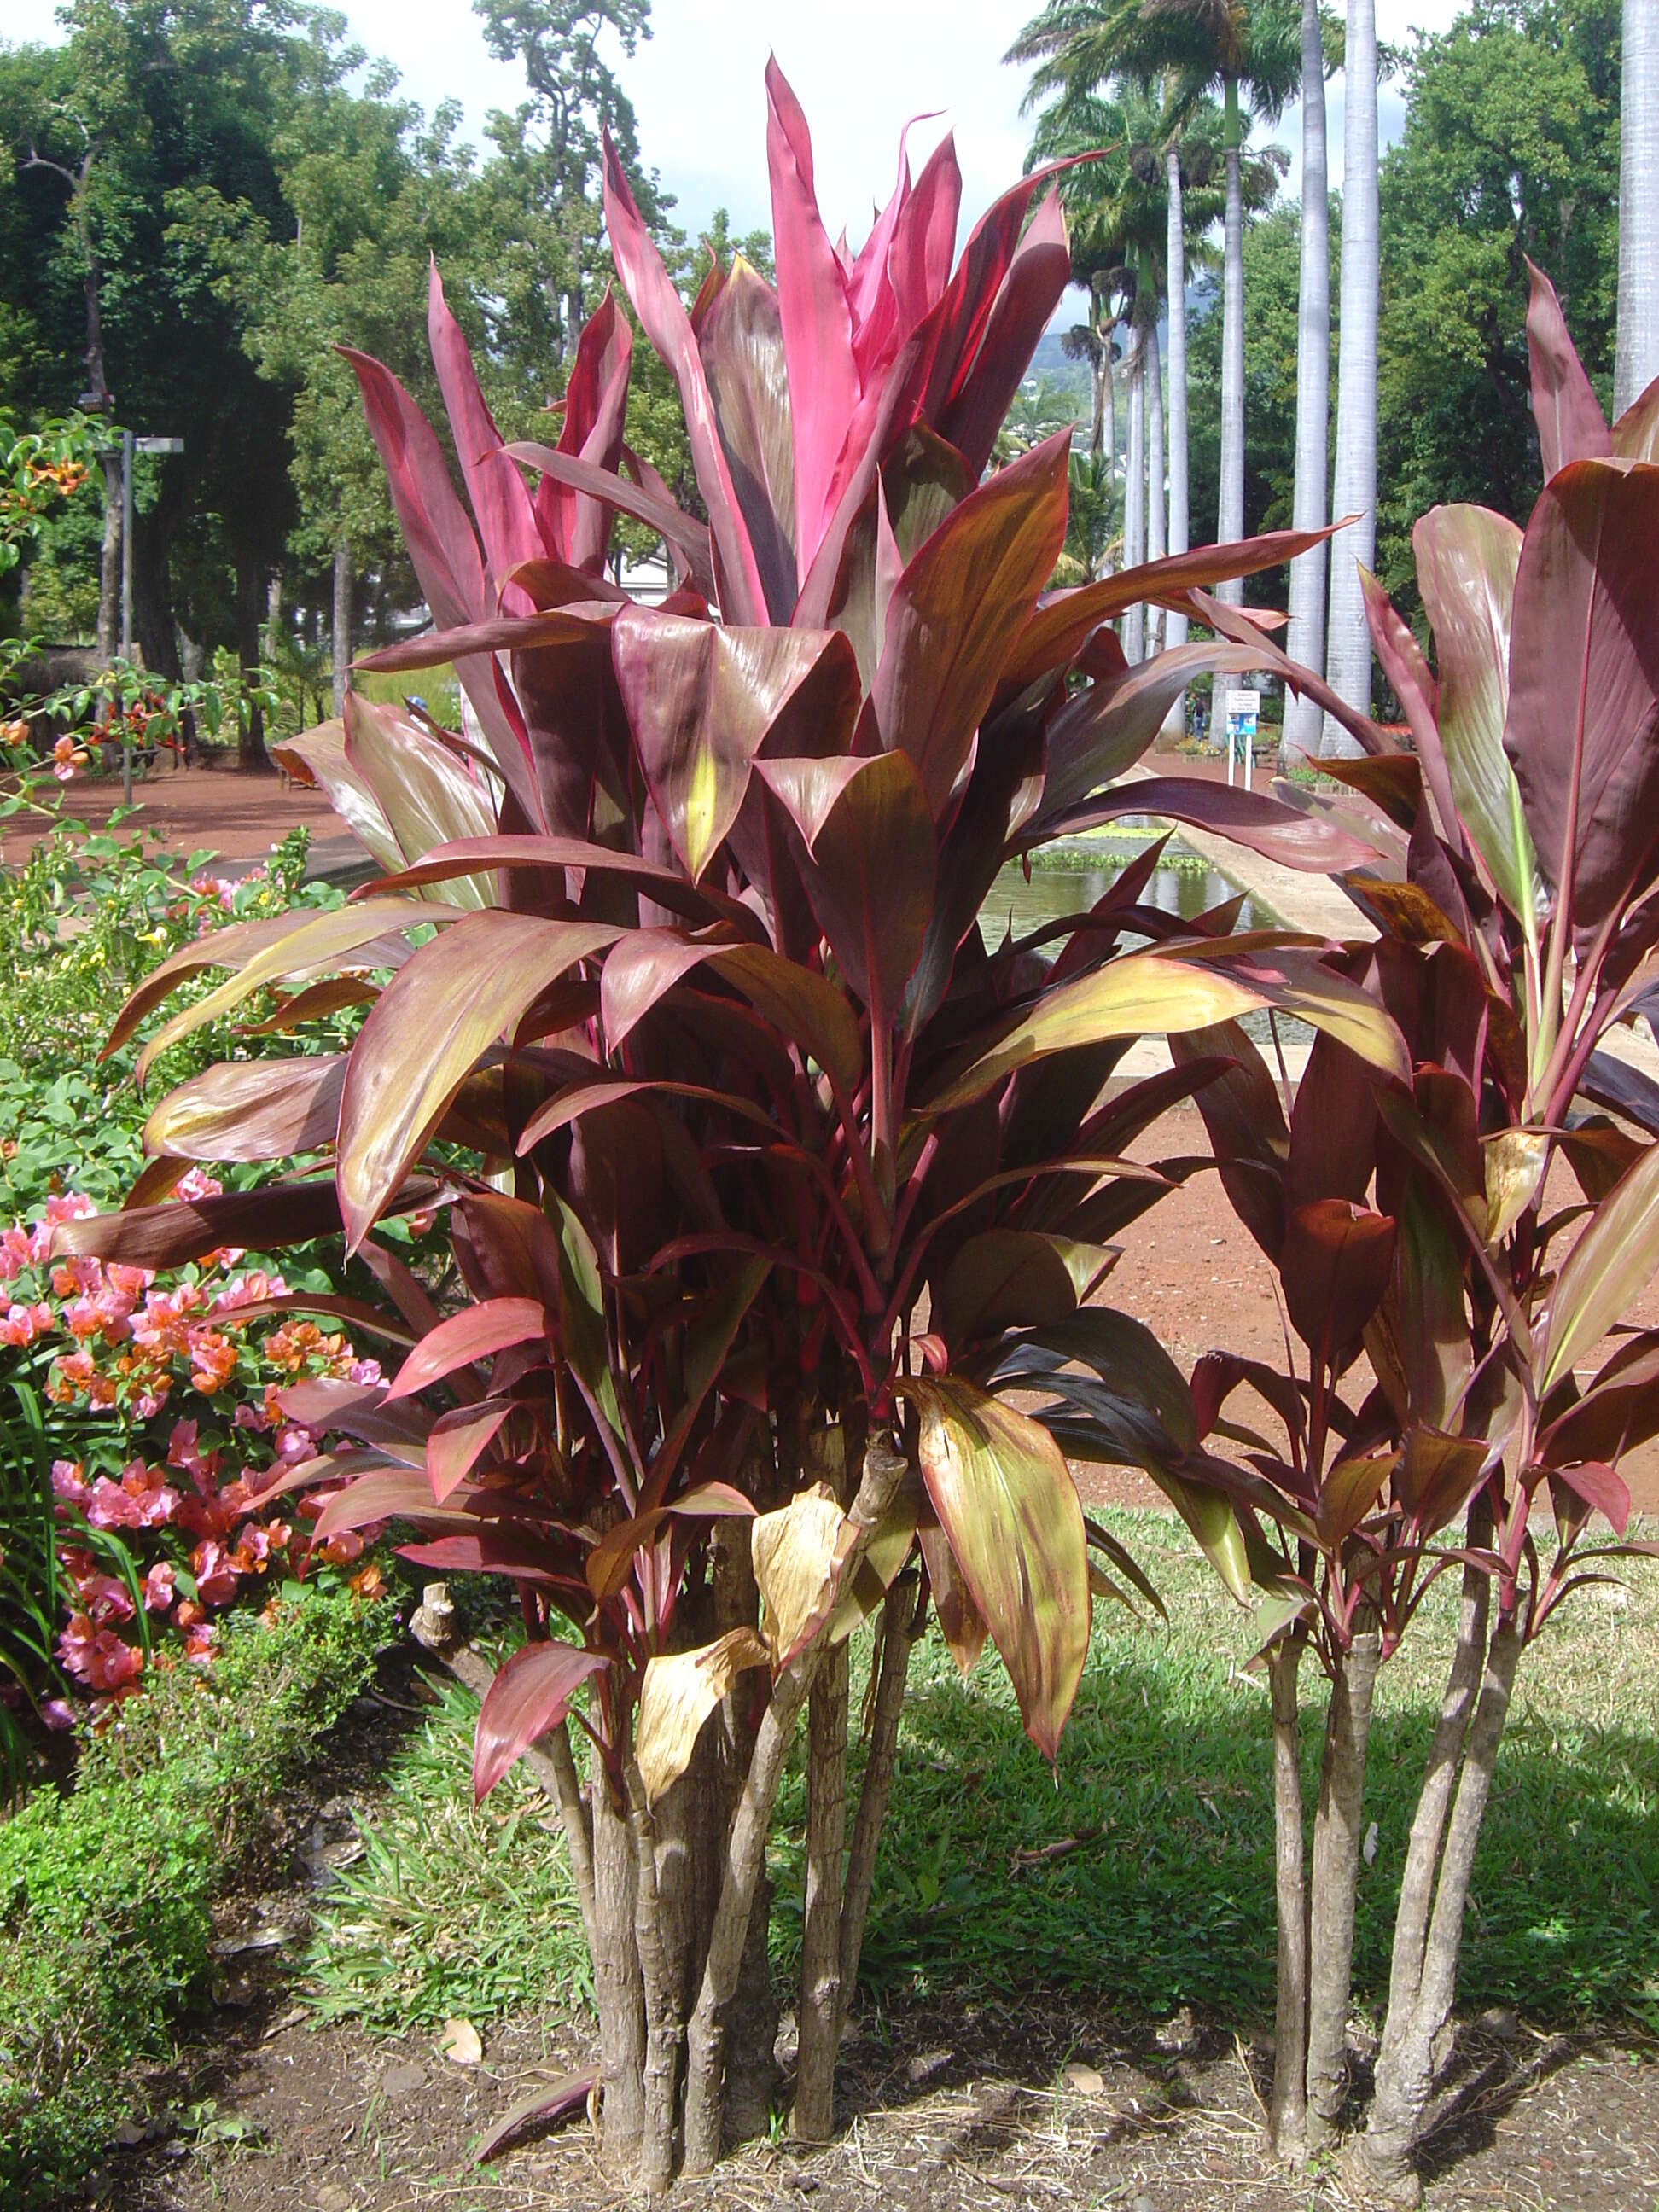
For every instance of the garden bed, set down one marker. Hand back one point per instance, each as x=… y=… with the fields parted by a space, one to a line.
x=1114 y=1922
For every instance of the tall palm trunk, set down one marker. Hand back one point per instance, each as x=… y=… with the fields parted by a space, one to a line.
x=1638 y=358
x=1134 y=492
x=1348 y=663
x=1155 y=508
x=1105 y=564
x=1306 y=642
x=1229 y=520
x=342 y=622
x=1175 y=626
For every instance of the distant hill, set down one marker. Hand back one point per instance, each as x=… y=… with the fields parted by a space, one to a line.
x=1049 y=361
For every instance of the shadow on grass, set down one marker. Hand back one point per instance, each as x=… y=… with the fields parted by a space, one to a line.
x=1142 y=1867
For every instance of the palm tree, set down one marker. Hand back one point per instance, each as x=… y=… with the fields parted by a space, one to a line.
x=1637 y=358
x=1348 y=650
x=1175 y=255
x=1306 y=642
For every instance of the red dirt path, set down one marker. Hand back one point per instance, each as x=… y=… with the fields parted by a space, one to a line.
x=239 y=816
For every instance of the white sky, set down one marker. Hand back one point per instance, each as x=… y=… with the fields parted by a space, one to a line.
x=861 y=68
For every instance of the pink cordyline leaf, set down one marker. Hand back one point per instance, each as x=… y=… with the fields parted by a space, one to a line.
x=659 y=306
x=475 y=1333
x=1583 y=706
x=1570 y=425
x=531 y=1694
x=818 y=323
x=595 y=405
x=506 y=520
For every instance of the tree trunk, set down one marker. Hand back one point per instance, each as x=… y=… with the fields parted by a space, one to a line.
x=1405 y=2067
x=342 y=622
x=1153 y=373
x=1348 y=649
x=1289 y=2102
x=109 y=564
x=819 y=2011
x=1306 y=641
x=1230 y=518
x=1175 y=626
x=1105 y=563
x=1101 y=380
x=252 y=753
x=1339 y=1826
x=1135 y=493
x=1637 y=357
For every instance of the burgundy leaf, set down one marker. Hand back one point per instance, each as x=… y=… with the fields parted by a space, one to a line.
x=477 y=1331
x=531 y=1695
x=1570 y=425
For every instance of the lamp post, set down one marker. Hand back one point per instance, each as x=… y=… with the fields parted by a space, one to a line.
x=129 y=446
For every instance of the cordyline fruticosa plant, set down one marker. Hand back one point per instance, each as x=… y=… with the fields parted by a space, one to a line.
x=1416 y=1222
x=790 y=1175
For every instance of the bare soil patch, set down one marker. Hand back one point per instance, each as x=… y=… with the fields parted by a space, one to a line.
x=1048 y=2103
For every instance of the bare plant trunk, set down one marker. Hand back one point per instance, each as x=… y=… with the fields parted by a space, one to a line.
x=746 y=1851
x=1338 y=1830
x=1411 y=1924
x=1406 y=2065
x=819 y=2010
x=662 y=2011
x=342 y=622
x=1290 y=2096
x=617 y=1983
x=901 y=1624
x=751 y=2018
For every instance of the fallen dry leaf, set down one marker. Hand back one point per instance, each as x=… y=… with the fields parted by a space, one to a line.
x=459 y=2043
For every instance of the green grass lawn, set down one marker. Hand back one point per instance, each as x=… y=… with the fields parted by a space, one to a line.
x=1165 y=1894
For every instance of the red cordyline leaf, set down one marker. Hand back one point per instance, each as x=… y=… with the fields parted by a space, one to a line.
x=1583 y=709
x=576 y=526
x=743 y=596
x=506 y=520
x=475 y=1333
x=531 y=1694
x=818 y=323
x=1570 y=425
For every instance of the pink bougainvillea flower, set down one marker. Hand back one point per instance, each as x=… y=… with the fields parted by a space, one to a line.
x=98 y=1656
x=69 y=1482
x=105 y=1598
x=21 y=1324
x=216 y=1574
x=199 y=1641
x=158 y=1586
x=57 y=1713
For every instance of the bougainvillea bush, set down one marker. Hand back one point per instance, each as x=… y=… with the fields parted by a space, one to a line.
x=167 y=1417
x=773 y=1178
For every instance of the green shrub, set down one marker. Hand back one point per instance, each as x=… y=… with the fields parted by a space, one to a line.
x=105 y=1893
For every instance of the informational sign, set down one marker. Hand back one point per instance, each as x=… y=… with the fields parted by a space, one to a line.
x=1243 y=711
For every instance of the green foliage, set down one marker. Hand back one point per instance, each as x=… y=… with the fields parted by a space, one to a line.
x=1510 y=150
x=105 y=1894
